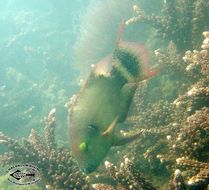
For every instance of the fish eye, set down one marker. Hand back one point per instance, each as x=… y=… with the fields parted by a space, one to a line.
x=83 y=147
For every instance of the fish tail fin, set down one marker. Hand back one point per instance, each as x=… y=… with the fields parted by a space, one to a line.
x=120 y=32
x=135 y=61
x=131 y=59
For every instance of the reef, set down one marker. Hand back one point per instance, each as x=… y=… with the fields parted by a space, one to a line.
x=175 y=132
x=43 y=152
x=171 y=111
x=127 y=177
x=181 y=21
x=173 y=146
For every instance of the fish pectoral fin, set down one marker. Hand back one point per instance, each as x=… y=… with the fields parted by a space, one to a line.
x=110 y=127
x=122 y=140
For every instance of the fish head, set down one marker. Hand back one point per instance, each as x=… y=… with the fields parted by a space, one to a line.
x=89 y=147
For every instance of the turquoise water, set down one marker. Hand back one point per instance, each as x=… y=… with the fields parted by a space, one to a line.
x=48 y=47
x=37 y=41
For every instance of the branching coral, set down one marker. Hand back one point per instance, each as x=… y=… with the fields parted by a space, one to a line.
x=43 y=152
x=182 y=22
x=197 y=94
x=158 y=148
x=175 y=129
x=201 y=179
x=127 y=176
x=177 y=183
x=194 y=136
x=170 y=60
x=100 y=186
x=199 y=58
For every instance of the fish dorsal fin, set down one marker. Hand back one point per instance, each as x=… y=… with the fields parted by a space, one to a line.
x=104 y=67
x=110 y=127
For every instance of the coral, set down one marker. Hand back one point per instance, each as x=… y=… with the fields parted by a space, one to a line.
x=170 y=60
x=170 y=110
x=44 y=153
x=201 y=179
x=199 y=58
x=177 y=182
x=174 y=128
x=182 y=22
x=104 y=187
x=194 y=135
x=198 y=67
x=157 y=114
x=127 y=176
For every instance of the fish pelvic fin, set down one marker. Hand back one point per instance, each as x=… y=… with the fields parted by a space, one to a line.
x=150 y=73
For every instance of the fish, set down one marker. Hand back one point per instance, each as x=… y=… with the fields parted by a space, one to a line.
x=104 y=101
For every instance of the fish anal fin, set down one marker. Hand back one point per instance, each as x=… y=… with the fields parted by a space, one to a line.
x=127 y=93
x=122 y=139
x=150 y=73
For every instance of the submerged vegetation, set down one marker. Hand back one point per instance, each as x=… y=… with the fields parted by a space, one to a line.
x=171 y=110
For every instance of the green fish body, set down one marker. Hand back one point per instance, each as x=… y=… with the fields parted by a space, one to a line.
x=103 y=102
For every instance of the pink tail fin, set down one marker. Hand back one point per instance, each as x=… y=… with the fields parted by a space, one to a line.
x=141 y=52
x=120 y=32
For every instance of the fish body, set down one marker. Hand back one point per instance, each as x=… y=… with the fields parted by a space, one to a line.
x=104 y=101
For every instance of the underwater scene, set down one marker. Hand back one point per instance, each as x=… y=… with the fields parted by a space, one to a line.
x=104 y=95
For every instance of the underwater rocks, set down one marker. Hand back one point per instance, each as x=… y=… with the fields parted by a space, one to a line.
x=59 y=170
